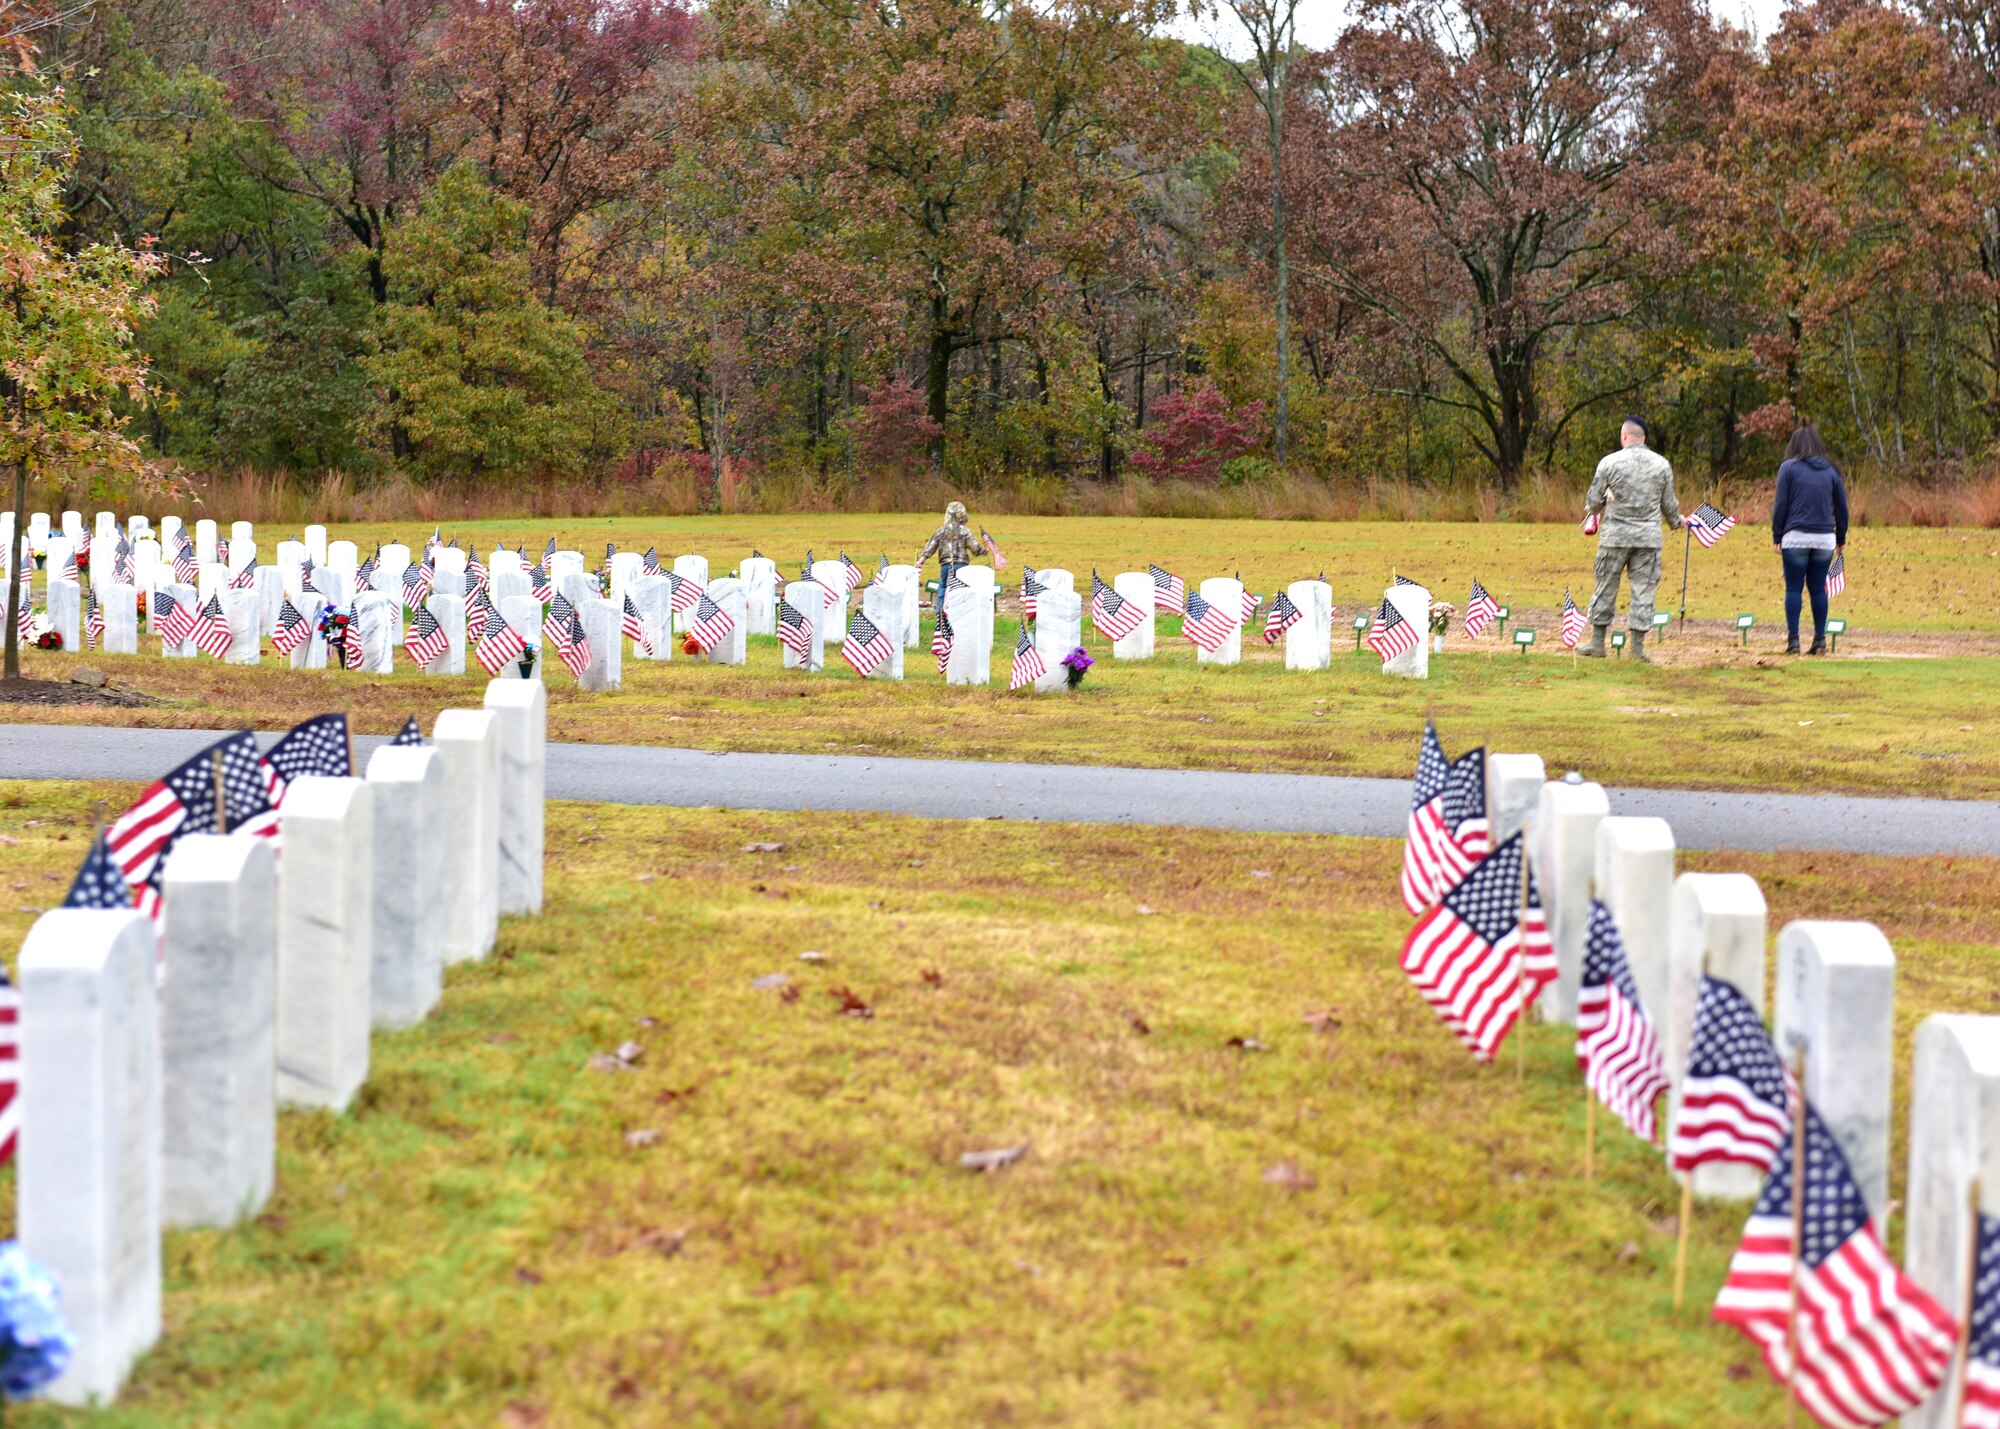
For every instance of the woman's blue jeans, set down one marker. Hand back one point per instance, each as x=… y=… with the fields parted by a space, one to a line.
x=1805 y=573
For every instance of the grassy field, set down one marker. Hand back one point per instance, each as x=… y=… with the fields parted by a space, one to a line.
x=764 y=1221
x=1916 y=726
x=1899 y=578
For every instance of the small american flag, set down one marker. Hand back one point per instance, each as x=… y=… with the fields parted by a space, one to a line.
x=794 y=630
x=1467 y=835
x=352 y=656
x=539 y=584
x=24 y=618
x=426 y=640
x=245 y=579
x=1284 y=615
x=1391 y=635
x=1031 y=591
x=1482 y=954
x=500 y=646
x=1169 y=592
x=683 y=592
x=1207 y=625
x=211 y=632
x=1405 y=580
x=222 y=550
x=881 y=571
x=1836 y=575
x=121 y=562
x=417 y=583
x=1250 y=604
x=479 y=613
x=292 y=631
x=555 y=626
x=70 y=570
x=93 y=619
x=477 y=578
x=1425 y=832
x=1028 y=663
x=549 y=554
x=1110 y=612
x=999 y=560
x=186 y=568
x=183 y=801
x=650 y=563
x=806 y=570
x=865 y=647
x=941 y=641
x=1982 y=1336
x=575 y=649
x=1573 y=621
x=364 y=578
x=711 y=625
x=80 y=553
x=10 y=1060
x=99 y=883
x=1735 y=1103
x=633 y=627
x=1870 y=1343
x=851 y=571
x=1481 y=610
x=316 y=746
x=409 y=736
x=1708 y=524
x=1616 y=1044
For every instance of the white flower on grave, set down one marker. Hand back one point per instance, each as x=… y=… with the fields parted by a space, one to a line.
x=39 y=625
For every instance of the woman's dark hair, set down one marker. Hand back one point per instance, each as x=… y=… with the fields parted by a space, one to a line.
x=1805 y=444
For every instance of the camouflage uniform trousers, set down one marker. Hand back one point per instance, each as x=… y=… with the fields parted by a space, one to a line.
x=1642 y=565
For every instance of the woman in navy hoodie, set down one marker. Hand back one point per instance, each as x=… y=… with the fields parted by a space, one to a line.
x=1808 y=524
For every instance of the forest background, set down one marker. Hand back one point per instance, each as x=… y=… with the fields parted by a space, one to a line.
x=443 y=257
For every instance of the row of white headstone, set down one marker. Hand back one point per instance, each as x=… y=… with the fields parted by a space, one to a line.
x=153 y=1060
x=1836 y=985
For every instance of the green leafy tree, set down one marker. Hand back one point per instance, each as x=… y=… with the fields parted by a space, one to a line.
x=66 y=320
x=478 y=376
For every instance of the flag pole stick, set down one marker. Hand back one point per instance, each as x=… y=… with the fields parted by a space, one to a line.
x=1589 y=1135
x=347 y=728
x=1681 y=1249
x=1798 y=1243
x=221 y=804
x=1964 y=1355
x=1687 y=550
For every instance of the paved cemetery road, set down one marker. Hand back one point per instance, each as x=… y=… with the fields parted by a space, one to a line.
x=1076 y=793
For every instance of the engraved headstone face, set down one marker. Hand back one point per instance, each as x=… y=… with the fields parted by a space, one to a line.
x=601 y=623
x=521 y=708
x=325 y=941
x=204 y=541
x=694 y=568
x=469 y=741
x=315 y=539
x=884 y=608
x=1635 y=880
x=185 y=649
x=1717 y=929
x=524 y=614
x=244 y=610
x=760 y=594
x=1136 y=588
x=1226 y=593
x=905 y=580
x=970 y=609
x=407 y=965
x=379 y=618
x=653 y=599
x=1836 y=1003
x=833 y=576
x=1564 y=841
x=121 y=619
x=1058 y=630
x=510 y=585
x=808 y=600
x=1309 y=640
x=312 y=654
x=1413 y=603
x=1513 y=789
x=66 y=612
x=449 y=612
x=728 y=594
x=90 y=1152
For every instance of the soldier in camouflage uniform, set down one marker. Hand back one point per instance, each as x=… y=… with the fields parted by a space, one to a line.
x=953 y=544
x=1633 y=492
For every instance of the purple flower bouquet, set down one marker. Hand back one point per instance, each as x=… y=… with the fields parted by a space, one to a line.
x=1076 y=662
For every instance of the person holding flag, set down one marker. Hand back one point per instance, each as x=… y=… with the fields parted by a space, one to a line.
x=953 y=544
x=1631 y=494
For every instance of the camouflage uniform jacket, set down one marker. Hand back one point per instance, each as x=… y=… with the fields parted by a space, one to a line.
x=952 y=544
x=1634 y=488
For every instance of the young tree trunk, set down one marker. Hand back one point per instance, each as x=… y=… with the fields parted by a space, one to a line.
x=937 y=381
x=13 y=659
x=1275 y=108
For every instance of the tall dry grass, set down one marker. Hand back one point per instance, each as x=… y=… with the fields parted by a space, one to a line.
x=1876 y=499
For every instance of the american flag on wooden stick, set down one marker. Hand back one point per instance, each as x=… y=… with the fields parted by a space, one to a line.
x=410 y=736
x=186 y=568
x=941 y=640
x=540 y=585
x=1573 y=621
x=683 y=592
x=1467 y=835
x=1482 y=955
x=479 y=611
x=866 y=647
x=1250 y=603
x=364 y=578
x=99 y=883
x=1111 y=613
x=24 y=618
x=1425 y=832
x=1735 y=1103
x=881 y=576
x=650 y=563
x=575 y=649
x=121 y=561
x=93 y=619
x=711 y=625
x=1169 y=591
x=183 y=801
x=634 y=627
x=1028 y=663
x=417 y=583
x=1391 y=635
x=426 y=640
x=1284 y=615
x=70 y=570
x=555 y=626
x=317 y=746
x=1708 y=524
x=1207 y=625
x=499 y=646
x=245 y=579
x=794 y=630
x=1836 y=575
x=999 y=560
x=1031 y=592
x=477 y=578
x=1870 y=1344
x=352 y=656
x=10 y=1058
x=1481 y=609
x=1981 y=1408
x=851 y=571
x=1616 y=1044
x=222 y=550
x=211 y=632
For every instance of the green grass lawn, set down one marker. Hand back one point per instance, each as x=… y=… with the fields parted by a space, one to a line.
x=765 y=1222
x=1916 y=726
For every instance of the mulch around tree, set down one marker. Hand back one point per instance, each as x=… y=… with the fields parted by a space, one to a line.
x=67 y=692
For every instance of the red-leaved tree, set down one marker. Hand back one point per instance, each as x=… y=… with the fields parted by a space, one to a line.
x=1195 y=432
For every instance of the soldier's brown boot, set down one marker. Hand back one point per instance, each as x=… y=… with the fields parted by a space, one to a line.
x=1638 y=639
x=1595 y=649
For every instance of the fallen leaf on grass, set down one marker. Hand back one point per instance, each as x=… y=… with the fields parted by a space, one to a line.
x=526 y=1276
x=1667 y=1225
x=604 y=1062
x=1143 y=911
x=676 y=1094
x=1140 y=1025
x=1322 y=1021
x=590 y=838
x=646 y=1022
x=762 y=848
x=1290 y=1175
x=1628 y=1251
x=1737 y=1373
x=770 y=980
x=1247 y=1044
x=10 y=843
x=645 y=878
x=994 y=1160
x=630 y=1052
x=851 y=1004
x=811 y=955
x=499 y=1037
x=624 y=1389
x=788 y=994
x=933 y=977
x=519 y=1414
x=1260 y=873
x=644 y=1136
x=667 y=1243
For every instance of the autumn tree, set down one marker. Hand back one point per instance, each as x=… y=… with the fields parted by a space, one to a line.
x=66 y=320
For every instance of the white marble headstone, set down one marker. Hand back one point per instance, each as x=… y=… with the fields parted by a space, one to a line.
x=833 y=575
x=970 y=609
x=1564 y=841
x=1413 y=603
x=379 y=620
x=907 y=582
x=326 y=922
x=1136 y=587
x=1837 y=1002
x=1227 y=593
x=204 y=541
x=602 y=622
x=1718 y=925
x=185 y=650
x=407 y=963
x=884 y=606
x=524 y=613
x=522 y=709
x=808 y=598
x=121 y=619
x=1058 y=630
x=1635 y=880
x=760 y=594
x=1309 y=642
x=449 y=612
x=315 y=543
x=469 y=740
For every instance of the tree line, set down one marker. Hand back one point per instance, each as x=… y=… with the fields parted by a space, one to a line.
x=1037 y=241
